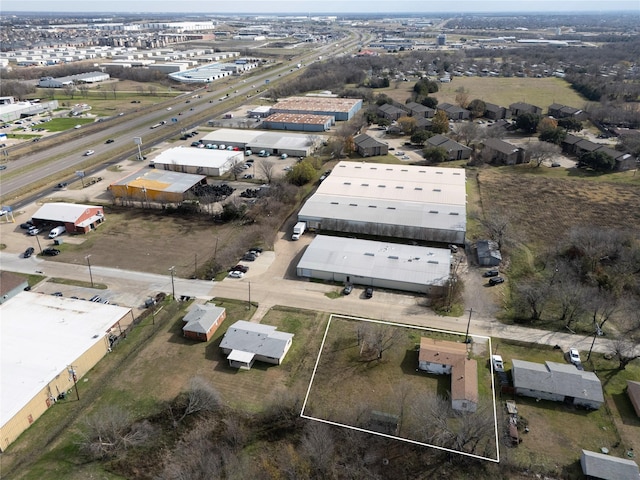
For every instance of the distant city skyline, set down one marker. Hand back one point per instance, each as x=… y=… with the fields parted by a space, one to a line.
x=280 y=7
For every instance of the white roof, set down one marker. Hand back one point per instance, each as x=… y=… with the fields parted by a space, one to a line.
x=261 y=138
x=40 y=336
x=62 y=212
x=413 y=196
x=198 y=157
x=382 y=260
x=240 y=356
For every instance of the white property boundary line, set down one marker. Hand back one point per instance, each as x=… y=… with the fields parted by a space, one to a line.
x=415 y=442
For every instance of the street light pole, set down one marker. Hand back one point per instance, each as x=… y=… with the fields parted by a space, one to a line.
x=173 y=287
x=89 y=265
x=249 y=296
x=38 y=240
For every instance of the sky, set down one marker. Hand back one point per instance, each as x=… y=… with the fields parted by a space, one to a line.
x=316 y=6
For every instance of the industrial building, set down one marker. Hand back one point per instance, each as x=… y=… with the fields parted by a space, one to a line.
x=10 y=110
x=378 y=264
x=198 y=161
x=298 y=121
x=89 y=77
x=293 y=144
x=153 y=185
x=416 y=203
x=47 y=344
x=75 y=217
x=341 y=109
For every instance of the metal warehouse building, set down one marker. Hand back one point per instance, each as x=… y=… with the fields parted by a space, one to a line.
x=396 y=201
x=299 y=121
x=153 y=185
x=199 y=161
x=378 y=264
x=46 y=344
x=293 y=144
x=339 y=108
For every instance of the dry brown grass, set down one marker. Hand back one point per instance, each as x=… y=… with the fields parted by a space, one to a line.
x=544 y=208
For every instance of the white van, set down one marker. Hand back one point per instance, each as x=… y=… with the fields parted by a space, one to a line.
x=57 y=231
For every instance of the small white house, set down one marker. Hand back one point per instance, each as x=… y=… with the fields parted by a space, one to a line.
x=245 y=342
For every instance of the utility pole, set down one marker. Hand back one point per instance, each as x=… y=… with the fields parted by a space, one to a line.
x=249 y=307
x=40 y=247
x=466 y=337
x=89 y=265
x=72 y=372
x=173 y=286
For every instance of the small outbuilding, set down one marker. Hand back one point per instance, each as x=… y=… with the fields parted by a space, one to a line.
x=202 y=321
x=245 y=342
x=605 y=467
x=488 y=253
x=633 y=392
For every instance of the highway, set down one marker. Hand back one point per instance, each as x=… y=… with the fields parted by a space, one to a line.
x=57 y=158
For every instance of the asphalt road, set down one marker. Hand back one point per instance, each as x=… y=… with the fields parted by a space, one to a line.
x=269 y=284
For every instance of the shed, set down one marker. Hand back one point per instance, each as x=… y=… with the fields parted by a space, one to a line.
x=488 y=253
x=202 y=321
x=605 y=467
x=633 y=392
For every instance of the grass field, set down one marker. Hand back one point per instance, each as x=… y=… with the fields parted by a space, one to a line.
x=350 y=383
x=500 y=91
x=545 y=207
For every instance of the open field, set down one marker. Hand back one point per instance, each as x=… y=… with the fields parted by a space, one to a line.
x=544 y=208
x=501 y=91
x=351 y=382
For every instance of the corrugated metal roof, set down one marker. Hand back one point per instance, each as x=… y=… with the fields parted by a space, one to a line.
x=382 y=260
x=557 y=378
x=328 y=104
x=606 y=467
x=161 y=180
x=290 y=141
x=62 y=212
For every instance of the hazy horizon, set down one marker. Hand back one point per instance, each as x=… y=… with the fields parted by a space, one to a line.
x=279 y=7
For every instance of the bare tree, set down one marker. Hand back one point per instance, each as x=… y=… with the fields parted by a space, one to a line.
x=540 y=152
x=114 y=88
x=236 y=170
x=70 y=90
x=110 y=431
x=318 y=445
x=377 y=338
x=498 y=226
x=534 y=294
x=466 y=132
x=201 y=397
x=267 y=168
x=625 y=351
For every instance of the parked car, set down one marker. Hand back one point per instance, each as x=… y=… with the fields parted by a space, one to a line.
x=255 y=249
x=491 y=273
x=347 y=289
x=239 y=268
x=26 y=225
x=28 y=252
x=33 y=231
x=498 y=364
x=51 y=251
x=453 y=248
x=236 y=274
x=57 y=294
x=574 y=356
x=368 y=293
x=57 y=231
x=249 y=257
x=496 y=280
